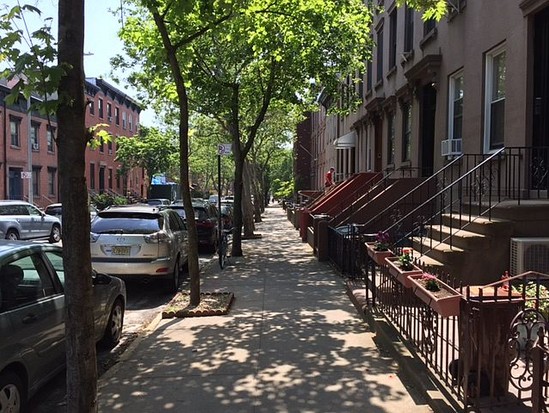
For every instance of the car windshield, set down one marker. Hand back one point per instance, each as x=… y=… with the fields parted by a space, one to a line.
x=127 y=223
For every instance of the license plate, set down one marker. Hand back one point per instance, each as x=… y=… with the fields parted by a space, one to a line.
x=121 y=250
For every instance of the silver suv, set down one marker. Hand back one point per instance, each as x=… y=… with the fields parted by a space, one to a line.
x=139 y=241
x=21 y=220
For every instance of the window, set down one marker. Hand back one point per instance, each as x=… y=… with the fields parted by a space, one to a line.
x=455 y=109
x=52 y=172
x=50 y=134
x=429 y=25
x=130 y=122
x=109 y=146
x=101 y=145
x=109 y=112
x=379 y=55
x=123 y=120
x=92 y=107
x=92 y=176
x=15 y=131
x=406 y=131
x=36 y=180
x=100 y=107
x=408 y=29
x=118 y=172
x=369 y=75
x=392 y=38
x=494 y=106
x=117 y=115
x=109 y=177
x=35 y=133
x=391 y=138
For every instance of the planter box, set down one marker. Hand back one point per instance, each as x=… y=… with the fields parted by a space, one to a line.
x=377 y=256
x=445 y=302
x=401 y=275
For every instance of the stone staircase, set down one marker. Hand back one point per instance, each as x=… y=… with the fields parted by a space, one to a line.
x=478 y=254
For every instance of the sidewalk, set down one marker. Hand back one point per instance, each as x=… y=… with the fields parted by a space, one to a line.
x=292 y=342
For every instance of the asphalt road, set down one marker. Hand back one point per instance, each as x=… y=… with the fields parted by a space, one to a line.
x=145 y=302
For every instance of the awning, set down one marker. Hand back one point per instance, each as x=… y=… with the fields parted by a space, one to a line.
x=346 y=141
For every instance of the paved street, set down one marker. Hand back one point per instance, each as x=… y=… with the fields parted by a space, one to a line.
x=292 y=342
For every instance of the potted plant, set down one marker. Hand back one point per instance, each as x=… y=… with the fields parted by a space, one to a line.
x=438 y=295
x=402 y=267
x=379 y=250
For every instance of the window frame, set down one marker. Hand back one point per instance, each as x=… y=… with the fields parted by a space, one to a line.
x=452 y=104
x=15 y=135
x=406 y=131
x=489 y=101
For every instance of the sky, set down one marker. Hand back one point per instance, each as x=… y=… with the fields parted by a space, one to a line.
x=101 y=42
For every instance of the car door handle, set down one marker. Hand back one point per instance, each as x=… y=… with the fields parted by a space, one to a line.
x=30 y=318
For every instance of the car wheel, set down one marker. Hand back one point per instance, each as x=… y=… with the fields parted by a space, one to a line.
x=113 y=331
x=12 y=235
x=173 y=283
x=55 y=235
x=12 y=397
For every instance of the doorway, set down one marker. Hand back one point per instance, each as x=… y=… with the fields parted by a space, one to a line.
x=427 y=132
x=15 y=183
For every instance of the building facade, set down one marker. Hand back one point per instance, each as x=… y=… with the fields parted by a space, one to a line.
x=28 y=151
x=474 y=82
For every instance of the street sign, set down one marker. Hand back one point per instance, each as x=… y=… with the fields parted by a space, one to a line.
x=26 y=175
x=224 y=149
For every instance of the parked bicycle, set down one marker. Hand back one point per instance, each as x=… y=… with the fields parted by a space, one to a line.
x=223 y=247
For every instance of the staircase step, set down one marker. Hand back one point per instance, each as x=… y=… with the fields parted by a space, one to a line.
x=478 y=224
x=438 y=251
x=460 y=238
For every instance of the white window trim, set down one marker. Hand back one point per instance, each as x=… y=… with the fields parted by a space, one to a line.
x=451 y=101
x=488 y=89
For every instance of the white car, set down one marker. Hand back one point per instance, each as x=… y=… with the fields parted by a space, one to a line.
x=140 y=241
x=21 y=220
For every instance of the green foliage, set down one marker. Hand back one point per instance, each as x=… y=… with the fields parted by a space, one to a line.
x=30 y=59
x=537 y=295
x=432 y=9
x=283 y=189
x=406 y=262
x=153 y=150
x=104 y=200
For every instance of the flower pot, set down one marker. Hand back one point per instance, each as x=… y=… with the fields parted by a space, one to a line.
x=377 y=256
x=445 y=302
x=402 y=275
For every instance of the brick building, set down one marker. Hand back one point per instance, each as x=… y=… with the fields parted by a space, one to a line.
x=30 y=140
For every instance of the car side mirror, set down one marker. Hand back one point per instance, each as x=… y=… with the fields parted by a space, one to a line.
x=100 y=278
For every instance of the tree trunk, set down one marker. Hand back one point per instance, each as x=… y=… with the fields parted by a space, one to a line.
x=247 y=209
x=171 y=52
x=71 y=142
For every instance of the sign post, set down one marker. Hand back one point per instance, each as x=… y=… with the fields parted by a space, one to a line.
x=223 y=149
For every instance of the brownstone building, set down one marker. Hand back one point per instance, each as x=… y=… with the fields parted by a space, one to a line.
x=28 y=152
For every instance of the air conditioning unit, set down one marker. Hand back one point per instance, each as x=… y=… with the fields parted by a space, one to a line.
x=35 y=146
x=450 y=147
x=109 y=118
x=110 y=151
x=529 y=254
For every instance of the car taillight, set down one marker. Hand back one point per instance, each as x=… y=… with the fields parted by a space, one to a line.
x=93 y=237
x=157 y=238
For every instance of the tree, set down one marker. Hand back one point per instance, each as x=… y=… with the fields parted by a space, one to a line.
x=67 y=78
x=152 y=150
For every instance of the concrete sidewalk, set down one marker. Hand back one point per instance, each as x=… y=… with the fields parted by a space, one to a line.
x=292 y=342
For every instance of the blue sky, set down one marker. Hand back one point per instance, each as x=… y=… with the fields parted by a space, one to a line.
x=101 y=41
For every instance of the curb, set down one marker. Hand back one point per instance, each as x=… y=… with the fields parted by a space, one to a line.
x=412 y=369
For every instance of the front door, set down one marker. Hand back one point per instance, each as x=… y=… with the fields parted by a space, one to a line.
x=427 y=133
x=15 y=183
x=540 y=138
x=378 y=146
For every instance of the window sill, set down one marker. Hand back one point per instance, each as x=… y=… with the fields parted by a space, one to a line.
x=391 y=72
x=406 y=57
x=378 y=84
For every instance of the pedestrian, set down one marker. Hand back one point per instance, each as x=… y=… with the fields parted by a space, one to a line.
x=329 y=181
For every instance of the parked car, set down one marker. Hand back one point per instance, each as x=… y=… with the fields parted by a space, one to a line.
x=205 y=215
x=32 y=318
x=158 y=201
x=140 y=241
x=56 y=210
x=21 y=220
